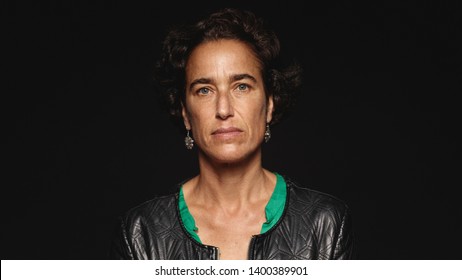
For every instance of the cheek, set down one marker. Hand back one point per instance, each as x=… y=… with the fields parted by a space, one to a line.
x=258 y=112
x=199 y=120
x=256 y=119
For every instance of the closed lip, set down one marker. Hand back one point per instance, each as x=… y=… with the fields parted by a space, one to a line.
x=224 y=130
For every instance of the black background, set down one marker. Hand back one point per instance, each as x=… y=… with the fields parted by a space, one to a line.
x=377 y=124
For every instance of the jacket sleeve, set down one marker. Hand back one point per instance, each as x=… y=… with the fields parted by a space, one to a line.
x=344 y=246
x=120 y=245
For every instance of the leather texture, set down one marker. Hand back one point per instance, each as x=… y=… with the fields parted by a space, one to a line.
x=314 y=225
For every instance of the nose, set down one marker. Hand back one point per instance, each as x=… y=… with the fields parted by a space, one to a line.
x=224 y=106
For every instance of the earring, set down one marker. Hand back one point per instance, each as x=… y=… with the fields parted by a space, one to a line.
x=267 y=133
x=188 y=141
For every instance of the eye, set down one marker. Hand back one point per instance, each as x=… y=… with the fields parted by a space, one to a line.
x=242 y=87
x=203 y=91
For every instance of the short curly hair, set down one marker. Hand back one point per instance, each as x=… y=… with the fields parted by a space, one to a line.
x=282 y=82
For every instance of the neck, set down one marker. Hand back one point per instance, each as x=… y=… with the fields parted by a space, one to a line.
x=233 y=183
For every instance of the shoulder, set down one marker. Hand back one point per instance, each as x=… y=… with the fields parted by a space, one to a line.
x=160 y=209
x=144 y=225
x=324 y=218
x=305 y=199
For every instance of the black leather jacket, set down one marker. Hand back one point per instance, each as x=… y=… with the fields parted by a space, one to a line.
x=313 y=225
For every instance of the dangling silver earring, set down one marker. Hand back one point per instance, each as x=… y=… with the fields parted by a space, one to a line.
x=267 y=133
x=188 y=141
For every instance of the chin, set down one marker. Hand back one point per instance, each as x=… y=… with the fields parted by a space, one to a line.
x=230 y=155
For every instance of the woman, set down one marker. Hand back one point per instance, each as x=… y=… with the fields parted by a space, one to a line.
x=222 y=79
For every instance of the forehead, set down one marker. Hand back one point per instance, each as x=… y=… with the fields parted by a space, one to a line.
x=222 y=56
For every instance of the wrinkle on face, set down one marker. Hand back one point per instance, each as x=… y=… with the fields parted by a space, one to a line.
x=224 y=88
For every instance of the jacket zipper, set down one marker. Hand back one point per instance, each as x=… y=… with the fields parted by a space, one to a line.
x=250 y=253
x=252 y=242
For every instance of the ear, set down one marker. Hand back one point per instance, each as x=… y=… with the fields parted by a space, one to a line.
x=184 y=113
x=269 y=109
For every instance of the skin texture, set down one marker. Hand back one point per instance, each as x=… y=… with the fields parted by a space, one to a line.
x=226 y=109
x=224 y=88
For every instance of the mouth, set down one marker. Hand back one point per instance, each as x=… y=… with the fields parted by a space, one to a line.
x=226 y=131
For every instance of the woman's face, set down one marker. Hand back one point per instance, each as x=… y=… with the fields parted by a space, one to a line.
x=226 y=106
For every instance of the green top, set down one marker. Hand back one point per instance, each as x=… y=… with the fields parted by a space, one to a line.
x=273 y=209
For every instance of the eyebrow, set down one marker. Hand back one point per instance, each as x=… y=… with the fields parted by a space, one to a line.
x=233 y=78
x=239 y=77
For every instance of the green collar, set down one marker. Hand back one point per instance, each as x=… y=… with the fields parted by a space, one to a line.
x=186 y=217
x=273 y=209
